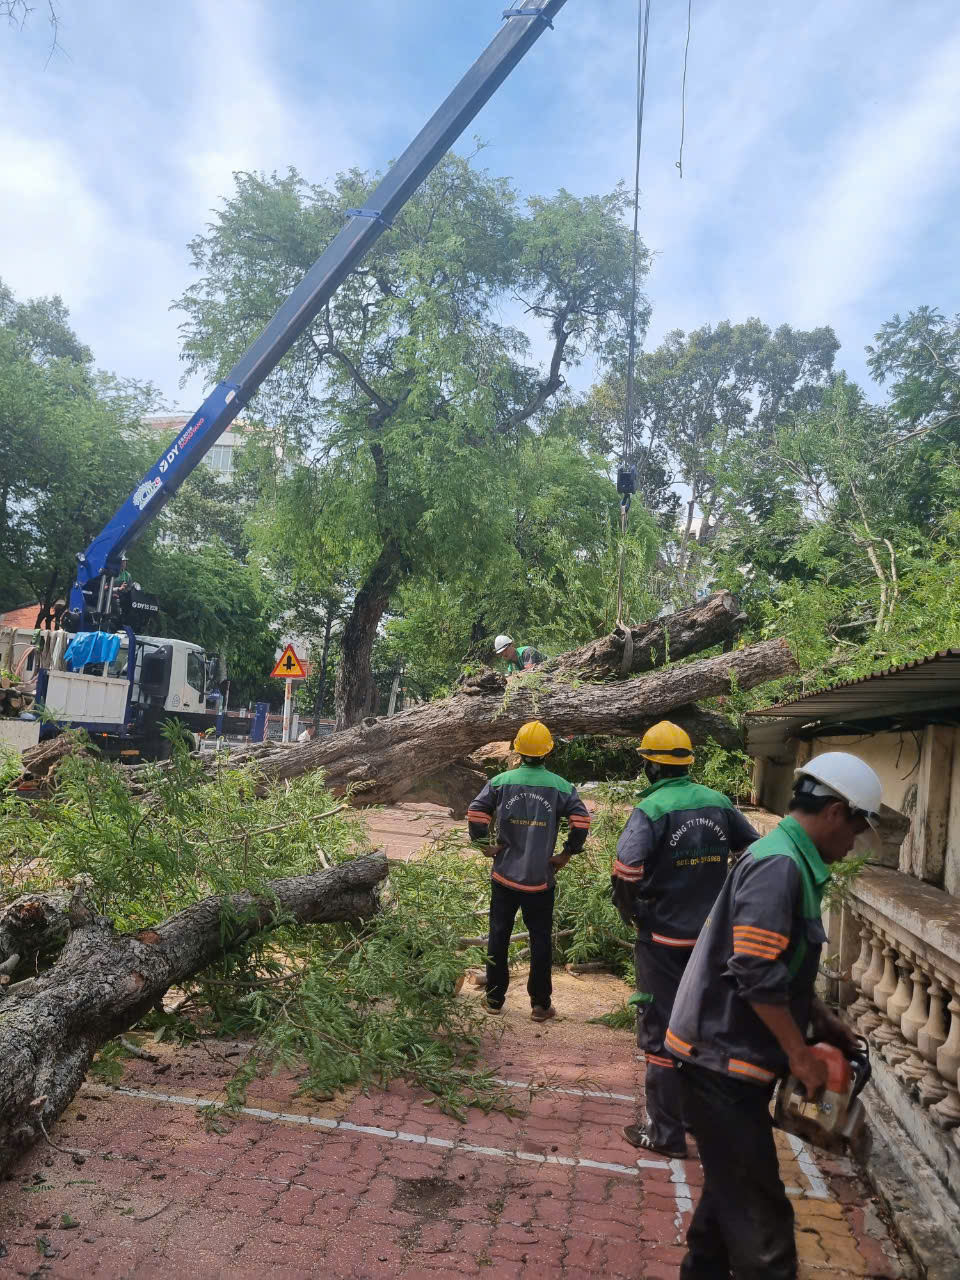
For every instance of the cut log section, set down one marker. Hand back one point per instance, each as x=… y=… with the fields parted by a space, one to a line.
x=652 y=644
x=103 y=982
x=383 y=758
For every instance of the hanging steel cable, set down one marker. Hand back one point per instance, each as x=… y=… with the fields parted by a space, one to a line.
x=627 y=472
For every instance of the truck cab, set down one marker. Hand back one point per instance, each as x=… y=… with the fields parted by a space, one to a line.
x=123 y=703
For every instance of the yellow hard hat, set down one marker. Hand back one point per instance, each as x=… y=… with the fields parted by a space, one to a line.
x=666 y=743
x=533 y=739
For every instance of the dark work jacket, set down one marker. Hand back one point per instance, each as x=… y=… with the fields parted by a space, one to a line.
x=672 y=859
x=528 y=804
x=761 y=944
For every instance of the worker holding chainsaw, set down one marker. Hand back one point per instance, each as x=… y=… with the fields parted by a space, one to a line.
x=527 y=805
x=671 y=863
x=742 y=1013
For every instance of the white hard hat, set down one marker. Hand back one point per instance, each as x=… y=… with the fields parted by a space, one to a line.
x=840 y=774
x=501 y=643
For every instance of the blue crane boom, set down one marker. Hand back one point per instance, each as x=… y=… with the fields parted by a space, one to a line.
x=100 y=562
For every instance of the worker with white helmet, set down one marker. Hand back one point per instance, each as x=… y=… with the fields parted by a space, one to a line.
x=742 y=1013
x=671 y=862
x=524 y=658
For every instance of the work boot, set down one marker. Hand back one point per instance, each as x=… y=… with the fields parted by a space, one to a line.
x=490 y=1008
x=540 y=1014
x=637 y=1136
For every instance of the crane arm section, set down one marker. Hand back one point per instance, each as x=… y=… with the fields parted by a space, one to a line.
x=101 y=560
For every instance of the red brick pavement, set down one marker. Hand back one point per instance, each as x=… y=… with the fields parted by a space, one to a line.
x=552 y=1193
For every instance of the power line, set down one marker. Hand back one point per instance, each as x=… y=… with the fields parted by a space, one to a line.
x=626 y=480
x=643 y=31
x=683 y=90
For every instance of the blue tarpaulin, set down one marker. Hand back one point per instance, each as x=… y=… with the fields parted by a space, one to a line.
x=91 y=646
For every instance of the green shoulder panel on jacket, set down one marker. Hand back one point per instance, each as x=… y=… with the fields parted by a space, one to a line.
x=789 y=840
x=680 y=793
x=526 y=776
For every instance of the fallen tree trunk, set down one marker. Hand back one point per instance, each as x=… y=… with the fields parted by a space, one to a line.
x=678 y=635
x=384 y=758
x=37 y=924
x=103 y=982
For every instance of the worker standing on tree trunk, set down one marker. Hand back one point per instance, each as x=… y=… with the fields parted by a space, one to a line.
x=741 y=1014
x=671 y=863
x=528 y=804
x=523 y=659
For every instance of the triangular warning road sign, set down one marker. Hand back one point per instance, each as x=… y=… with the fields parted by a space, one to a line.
x=289 y=666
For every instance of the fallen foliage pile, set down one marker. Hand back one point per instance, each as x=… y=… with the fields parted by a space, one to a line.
x=356 y=1002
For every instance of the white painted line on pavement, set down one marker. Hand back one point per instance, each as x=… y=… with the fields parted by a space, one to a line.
x=678 y=1178
x=681 y=1190
x=580 y=1093
x=818 y=1187
x=399 y=1135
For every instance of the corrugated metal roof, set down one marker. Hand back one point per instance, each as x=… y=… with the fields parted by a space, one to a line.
x=926 y=687
x=938 y=674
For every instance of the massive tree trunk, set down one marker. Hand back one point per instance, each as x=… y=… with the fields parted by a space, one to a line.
x=678 y=635
x=356 y=692
x=383 y=758
x=104 y=982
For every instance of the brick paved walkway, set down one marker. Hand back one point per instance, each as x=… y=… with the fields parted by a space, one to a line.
x=383 y=1186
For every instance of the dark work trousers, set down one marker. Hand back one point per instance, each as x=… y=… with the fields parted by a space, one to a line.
x=659 y=970
x=743 y=1225
x=537 y=911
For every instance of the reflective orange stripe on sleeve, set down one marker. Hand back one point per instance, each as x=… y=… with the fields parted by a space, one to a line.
x=477 y=815
x=579 y=820
x=677 y=1045
x=626 y=872
x=763 y=937
x=659 y=1061
x=664 y=941
x=750 y=949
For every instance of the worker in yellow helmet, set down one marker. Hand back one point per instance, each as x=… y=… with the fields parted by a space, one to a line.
x=671 y=863
x=526 y=805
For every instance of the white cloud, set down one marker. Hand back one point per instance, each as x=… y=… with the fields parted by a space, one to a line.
x=820 y=145
x=884 y=181
x=46 y=253
x=112 y=159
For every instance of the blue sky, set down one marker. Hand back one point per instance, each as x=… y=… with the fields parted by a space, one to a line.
x=820 y=184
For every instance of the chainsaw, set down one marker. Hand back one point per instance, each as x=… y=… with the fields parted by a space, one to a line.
x=834 y=1119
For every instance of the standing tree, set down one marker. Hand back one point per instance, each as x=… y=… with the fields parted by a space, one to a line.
x=701 y=395
x=71 y=449
x=398 y=415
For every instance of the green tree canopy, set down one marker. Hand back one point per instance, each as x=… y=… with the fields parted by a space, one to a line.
x=700 y=397
x=396 y=423
x=71 y=449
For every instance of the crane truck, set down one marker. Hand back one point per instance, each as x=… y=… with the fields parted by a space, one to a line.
x=127 y=699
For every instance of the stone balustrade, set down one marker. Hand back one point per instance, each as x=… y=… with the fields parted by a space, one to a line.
x=899 y=942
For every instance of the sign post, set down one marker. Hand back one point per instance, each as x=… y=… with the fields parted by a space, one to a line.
x=289 y=668
x=287 y=702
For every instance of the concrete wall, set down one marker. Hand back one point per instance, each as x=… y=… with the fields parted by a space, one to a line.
x=895 y=757
x=951 y=875
x=920 y=773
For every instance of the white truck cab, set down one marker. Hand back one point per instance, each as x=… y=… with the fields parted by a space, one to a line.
x=122 y=707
